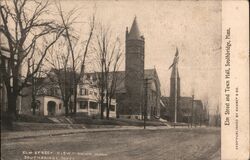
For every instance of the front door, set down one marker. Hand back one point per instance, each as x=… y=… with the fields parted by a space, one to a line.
x=51 y=108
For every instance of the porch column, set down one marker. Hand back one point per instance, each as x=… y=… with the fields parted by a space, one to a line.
x=98 y=107
x=88 y=108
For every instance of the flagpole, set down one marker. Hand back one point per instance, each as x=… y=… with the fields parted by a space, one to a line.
x=176 y=85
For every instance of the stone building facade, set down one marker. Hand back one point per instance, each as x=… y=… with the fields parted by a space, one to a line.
x=133 y=107
x=134 y=70
x=132 y=97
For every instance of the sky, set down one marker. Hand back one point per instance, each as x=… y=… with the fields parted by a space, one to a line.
x=194 y=27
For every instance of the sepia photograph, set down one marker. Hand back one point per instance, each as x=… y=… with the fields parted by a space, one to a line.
x=108 y=80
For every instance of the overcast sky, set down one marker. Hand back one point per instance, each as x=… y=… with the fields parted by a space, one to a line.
x=192 y=26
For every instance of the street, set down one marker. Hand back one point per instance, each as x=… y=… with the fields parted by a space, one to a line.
x=169 y=144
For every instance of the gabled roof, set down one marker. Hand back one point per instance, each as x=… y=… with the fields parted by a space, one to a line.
x=150 y=73
x=120 y=75
x=134 y=32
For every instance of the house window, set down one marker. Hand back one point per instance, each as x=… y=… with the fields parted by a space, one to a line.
x=83 y=104
x=60 y=105
x=93 y=105
x=81 y=91
x=95 y=93
x=86 y=92
x=112 y=107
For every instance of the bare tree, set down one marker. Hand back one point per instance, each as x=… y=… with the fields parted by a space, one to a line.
x=113 y=79
x=206 y=112
x=36 y=86
x=78 y=62
x=217 y=117
x=23 y=25
x=60 y=73
x=108 y=58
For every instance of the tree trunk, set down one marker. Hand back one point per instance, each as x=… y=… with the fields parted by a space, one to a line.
x=33 y=104
x=107 y=107
x=102 y=107
x=75 y=97
x=70 y=107
x=102 y=99
x=11 y=112
x=66 y=108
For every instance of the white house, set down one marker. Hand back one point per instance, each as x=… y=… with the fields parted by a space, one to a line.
x=88 y=98
x=49 y=102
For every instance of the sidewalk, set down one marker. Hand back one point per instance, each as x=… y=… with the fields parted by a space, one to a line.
x=39 y=133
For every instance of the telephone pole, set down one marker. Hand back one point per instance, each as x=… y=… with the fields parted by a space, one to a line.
x=146 y=102
x=192 y=120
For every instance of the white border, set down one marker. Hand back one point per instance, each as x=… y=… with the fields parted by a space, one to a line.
x=235 y=15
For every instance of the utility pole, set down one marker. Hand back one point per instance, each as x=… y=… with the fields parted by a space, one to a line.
x=146 y=102
x=201 y=117
x=192 y=120
x=208 y=117
x=142 y=105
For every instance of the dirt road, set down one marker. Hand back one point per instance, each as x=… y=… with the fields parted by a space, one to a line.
x=170 y=144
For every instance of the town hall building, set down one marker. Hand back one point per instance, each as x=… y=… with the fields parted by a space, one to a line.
x=187 y=109
x=140 y=93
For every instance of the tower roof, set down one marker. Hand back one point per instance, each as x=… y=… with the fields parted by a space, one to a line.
x=134 y=31
x=173 y=73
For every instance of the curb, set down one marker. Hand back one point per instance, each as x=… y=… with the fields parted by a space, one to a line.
x=82 y=131
x=69 y=133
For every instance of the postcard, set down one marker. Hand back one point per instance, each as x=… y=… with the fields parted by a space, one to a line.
x=122 y=79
